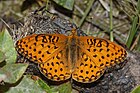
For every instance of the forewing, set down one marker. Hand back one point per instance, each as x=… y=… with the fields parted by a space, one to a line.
x=40 y=47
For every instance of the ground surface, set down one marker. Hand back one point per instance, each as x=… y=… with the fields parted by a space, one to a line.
x=120 y=79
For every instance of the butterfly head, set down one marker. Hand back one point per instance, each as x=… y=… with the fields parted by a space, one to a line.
x=73 y=32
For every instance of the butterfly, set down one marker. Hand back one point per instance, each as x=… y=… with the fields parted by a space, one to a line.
x=60 y=57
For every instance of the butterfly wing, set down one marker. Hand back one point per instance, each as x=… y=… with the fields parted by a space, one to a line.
x=48 y=50
x=95 y=54
x=57 y=68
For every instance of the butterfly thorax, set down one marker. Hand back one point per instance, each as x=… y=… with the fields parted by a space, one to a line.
x=72 y=50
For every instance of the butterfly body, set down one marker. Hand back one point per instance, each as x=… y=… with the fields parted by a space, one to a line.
x=59 y=57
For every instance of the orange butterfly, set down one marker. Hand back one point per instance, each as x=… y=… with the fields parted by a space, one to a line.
x=59 y=57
